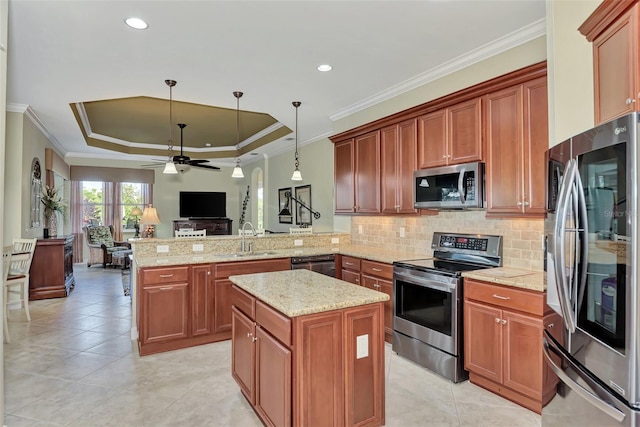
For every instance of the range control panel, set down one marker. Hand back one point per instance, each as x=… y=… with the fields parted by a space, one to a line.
x=472 y=243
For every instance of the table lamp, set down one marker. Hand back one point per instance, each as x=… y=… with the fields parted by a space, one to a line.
x=136 y=212
x=150 y=219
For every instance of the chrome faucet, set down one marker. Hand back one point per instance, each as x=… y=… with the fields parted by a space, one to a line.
x=253 y=231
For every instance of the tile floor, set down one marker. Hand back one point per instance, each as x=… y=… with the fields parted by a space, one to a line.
x=73 y=365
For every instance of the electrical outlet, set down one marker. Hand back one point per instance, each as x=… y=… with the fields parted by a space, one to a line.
x=197 y=247
x=362 y=346
x=360 y=229
x=162 y=249
x=401 y=231
x=335 y=240
x=297 y=242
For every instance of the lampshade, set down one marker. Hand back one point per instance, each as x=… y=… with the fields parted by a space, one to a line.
x=237 y=172
x=170 y=168
x=285 y=211
x=150 y=216
x=297 y=176
x=136 y=211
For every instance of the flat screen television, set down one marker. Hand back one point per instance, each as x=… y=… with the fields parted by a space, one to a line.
x=203 y=204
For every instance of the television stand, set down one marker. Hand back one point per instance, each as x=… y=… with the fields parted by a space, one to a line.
x=214 y=226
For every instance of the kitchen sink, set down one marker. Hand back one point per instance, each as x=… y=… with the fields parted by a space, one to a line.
x=244 y=254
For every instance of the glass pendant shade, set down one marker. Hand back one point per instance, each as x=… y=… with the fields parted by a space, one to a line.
x=297 y=176
x=170 y=168
x=237 y=172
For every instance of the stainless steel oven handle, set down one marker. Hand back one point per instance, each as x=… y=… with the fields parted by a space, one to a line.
x=461 y=184
x=426 y=283
x=606 y=407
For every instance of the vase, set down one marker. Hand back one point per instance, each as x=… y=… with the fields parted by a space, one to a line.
x=52 y=222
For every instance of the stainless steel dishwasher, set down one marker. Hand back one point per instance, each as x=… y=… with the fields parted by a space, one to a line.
x=323 y=264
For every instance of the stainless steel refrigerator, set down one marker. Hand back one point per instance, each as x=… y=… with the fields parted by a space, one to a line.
x=591 y=235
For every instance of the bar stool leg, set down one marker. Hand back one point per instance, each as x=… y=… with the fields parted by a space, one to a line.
x=25 y=298
x=7 y=337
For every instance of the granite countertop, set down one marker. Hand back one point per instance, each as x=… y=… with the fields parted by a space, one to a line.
x=373 y=254
x=515 y=277
x=299 y=292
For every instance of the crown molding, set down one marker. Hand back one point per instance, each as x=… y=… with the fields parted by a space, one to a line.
x=33 y=117
x=509 y=41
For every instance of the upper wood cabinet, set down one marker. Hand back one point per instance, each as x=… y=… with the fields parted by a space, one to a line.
x=398 y=162
x=450 y=136
x=614 y=30
x=516 y=127
x=344 y=169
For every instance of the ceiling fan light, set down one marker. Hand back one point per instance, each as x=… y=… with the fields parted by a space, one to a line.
x=170 y=168
x=237 y=172
x=297 y=176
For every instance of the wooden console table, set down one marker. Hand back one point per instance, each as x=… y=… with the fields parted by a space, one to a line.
x=51 y=273
x=213 y=226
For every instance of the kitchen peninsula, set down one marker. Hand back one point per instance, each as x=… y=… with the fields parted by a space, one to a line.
x=308 y=349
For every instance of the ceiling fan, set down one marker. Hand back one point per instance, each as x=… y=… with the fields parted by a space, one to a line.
x=181 y=162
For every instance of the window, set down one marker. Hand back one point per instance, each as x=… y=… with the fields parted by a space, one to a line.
x=131 y=196
x=94 y=202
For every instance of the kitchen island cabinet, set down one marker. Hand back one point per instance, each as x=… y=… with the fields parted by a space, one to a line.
x=308 y=349
x=503 y=329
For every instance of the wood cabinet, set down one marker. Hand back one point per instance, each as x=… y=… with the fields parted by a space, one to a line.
x=503 y=330
x=189 y=305
x=307 y=370
x=398 y=162
x=344 y=175
x=213 y=226
x=614 y=30
x=450 y=136
x=516 y=127
x=51 y=273
x=350 y=269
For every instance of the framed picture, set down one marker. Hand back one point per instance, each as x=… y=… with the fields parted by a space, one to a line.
x=285 y=213
x=303 y=215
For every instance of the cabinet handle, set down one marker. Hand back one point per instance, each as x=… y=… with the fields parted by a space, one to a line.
x=497 y=320
x=519 y=203
x=550 y=325
x=526 y=203
x=504 y=322
x=630 y=101
x=249 y=334
x=357 y=280
x=501 y=297
x=165 y=288
x=254 y=339
x=375 y=285
x=166 y=276
x=349 y=263
x=376 y=269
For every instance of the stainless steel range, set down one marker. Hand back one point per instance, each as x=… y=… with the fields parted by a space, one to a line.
x=427 y=300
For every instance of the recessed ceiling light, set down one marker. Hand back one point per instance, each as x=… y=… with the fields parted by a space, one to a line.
x=136 y=23
x=324 y=67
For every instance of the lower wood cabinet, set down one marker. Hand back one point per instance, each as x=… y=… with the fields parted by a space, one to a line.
x=306 y=371
x=51 y=273
x=503 y=330
x=183 y=306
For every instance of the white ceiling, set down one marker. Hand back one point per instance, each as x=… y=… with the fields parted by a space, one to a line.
x=62 y=52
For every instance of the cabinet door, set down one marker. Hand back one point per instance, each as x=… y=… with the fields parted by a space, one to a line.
x=536 y=142
x=389 y=158
x=523 y=359
x=202 y=300
x=407 y=164
x=615 y=58
x=465 y=134
x=504 y=124
x=222 y=303
x=483 y=340
x=351 y=276
x=164 y=312
x=243 y=356
x=344 y=176
x=273 y=380
x=432 y=139
x=367 y=176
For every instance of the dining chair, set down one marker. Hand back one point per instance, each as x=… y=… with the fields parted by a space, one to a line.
x=300 y=231
x=191 y=233
x=17 y=279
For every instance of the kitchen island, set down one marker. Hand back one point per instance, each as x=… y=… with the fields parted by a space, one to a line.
x=308 y=349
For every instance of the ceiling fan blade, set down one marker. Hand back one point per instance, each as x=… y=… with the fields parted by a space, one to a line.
x=152 y=165
x=205 y=166
x=197 y=161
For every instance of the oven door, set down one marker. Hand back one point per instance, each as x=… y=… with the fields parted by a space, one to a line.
x=426 y=306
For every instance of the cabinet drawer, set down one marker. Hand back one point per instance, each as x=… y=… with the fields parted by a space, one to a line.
x=350 y=263
x=276 y=323
x=243 y=302
x=165 y=275
x=378 y=269
x=226 y=269
x=505 y=297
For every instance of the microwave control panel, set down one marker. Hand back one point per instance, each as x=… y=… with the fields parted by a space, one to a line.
x=469 y=243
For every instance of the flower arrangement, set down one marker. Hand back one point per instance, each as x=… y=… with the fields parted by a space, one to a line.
x=52 y=200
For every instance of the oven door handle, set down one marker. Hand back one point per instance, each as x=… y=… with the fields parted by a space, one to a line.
x=426 y=283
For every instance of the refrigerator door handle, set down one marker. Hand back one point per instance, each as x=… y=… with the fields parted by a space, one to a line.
x=584 y=230
x=564 y=200
x=602 y=405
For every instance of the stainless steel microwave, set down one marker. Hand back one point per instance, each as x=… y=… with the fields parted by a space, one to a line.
x=449 y=187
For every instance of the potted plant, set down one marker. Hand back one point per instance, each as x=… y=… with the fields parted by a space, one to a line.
x=53 y=204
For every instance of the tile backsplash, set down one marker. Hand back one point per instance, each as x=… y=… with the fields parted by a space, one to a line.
x=522 y=238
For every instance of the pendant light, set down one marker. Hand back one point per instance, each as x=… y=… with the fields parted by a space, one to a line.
x=237 y=171
x=297 y=176
x=170 y=167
